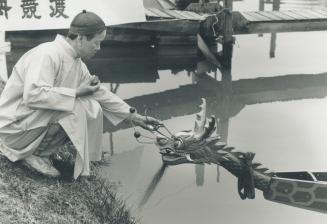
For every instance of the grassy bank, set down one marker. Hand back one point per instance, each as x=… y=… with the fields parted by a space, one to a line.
x=27 y=197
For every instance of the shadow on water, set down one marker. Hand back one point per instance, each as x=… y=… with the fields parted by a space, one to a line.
x=152 y=186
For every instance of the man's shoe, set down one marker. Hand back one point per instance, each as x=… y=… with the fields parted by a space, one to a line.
x=42 y=165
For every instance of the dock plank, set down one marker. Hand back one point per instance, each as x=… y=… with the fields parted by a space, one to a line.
x=283 y=15
x=319 y=15
x=281 y=21
x=305 y=14
x=258 y=16
x=248 y=17
x=321 y=11
x=270 y=15
x=294 y=15
x=324 y=9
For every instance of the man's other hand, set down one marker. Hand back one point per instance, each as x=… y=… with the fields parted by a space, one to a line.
x=147 y=122
x=87 y=89
x=94 y=80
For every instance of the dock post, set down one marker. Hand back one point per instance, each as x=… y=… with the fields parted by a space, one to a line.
x=261 y=8
x=273 y=38
x=276 y=5
x=4 y=48
x=228 y=39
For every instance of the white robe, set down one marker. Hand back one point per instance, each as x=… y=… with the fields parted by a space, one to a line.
x=42 y=90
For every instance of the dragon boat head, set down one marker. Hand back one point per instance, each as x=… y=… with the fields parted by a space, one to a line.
x=191 y=146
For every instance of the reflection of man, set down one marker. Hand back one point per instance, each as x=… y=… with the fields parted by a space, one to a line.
x=51 y=98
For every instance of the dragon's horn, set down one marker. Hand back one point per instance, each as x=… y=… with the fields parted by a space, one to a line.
x=200 y=119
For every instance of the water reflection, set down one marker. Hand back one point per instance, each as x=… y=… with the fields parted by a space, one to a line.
x=280 y=5
x=225 y=98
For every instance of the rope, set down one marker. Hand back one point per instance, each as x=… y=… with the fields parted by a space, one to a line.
x=138 y=134
x=246 y=187
x=223 y=10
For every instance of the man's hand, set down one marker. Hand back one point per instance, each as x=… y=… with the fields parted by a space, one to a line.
x=89 y=88
x=95 y=80
x=146 y=122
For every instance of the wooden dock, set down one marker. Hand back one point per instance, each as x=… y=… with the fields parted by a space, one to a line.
x=280 y=21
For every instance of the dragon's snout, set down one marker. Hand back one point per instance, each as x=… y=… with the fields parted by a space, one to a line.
x=162 y=140
x=185 y=145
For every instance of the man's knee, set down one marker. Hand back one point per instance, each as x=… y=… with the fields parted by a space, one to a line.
x=93 y=106
x=54 y=128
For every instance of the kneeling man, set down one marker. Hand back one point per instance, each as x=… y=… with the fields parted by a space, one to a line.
x=51 y=98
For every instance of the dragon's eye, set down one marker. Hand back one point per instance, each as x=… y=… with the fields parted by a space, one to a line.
x=178 y=143
x=162 y=141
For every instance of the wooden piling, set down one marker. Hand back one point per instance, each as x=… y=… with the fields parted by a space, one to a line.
x=276 y=5
x=273 y=38
x=261 y=8
x=228 y=39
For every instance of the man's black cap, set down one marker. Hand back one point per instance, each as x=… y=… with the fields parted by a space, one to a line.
x=85 y=23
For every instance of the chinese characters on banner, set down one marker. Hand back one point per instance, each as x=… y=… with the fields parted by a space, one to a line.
x=4 y=8
x=58 y=8
x=57 y=14
x=29 y=8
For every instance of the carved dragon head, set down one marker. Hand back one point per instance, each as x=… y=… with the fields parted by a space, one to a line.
x=201 y=145
x=190 y=146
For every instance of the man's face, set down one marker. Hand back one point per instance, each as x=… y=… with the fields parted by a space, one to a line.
x=88 y=48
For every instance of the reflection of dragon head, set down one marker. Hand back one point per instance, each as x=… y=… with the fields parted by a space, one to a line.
x=190 y=146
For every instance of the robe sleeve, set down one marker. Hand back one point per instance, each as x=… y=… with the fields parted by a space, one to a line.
x=114 y=108
x=39 y=90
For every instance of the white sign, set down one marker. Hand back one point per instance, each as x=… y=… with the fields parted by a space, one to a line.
x=57 y=14
x=4 y=47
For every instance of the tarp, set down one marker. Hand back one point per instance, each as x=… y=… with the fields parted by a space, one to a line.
x=57 y=14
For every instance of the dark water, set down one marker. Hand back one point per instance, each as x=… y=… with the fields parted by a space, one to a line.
x=275 y=105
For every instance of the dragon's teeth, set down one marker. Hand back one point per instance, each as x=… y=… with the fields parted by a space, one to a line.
x=256 y=164
x=228 y=149
x=263 y=169
x=222 y=153
x=219 y=145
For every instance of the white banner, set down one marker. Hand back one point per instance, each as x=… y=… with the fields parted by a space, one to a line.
x=4 y=47
x=57 y=14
